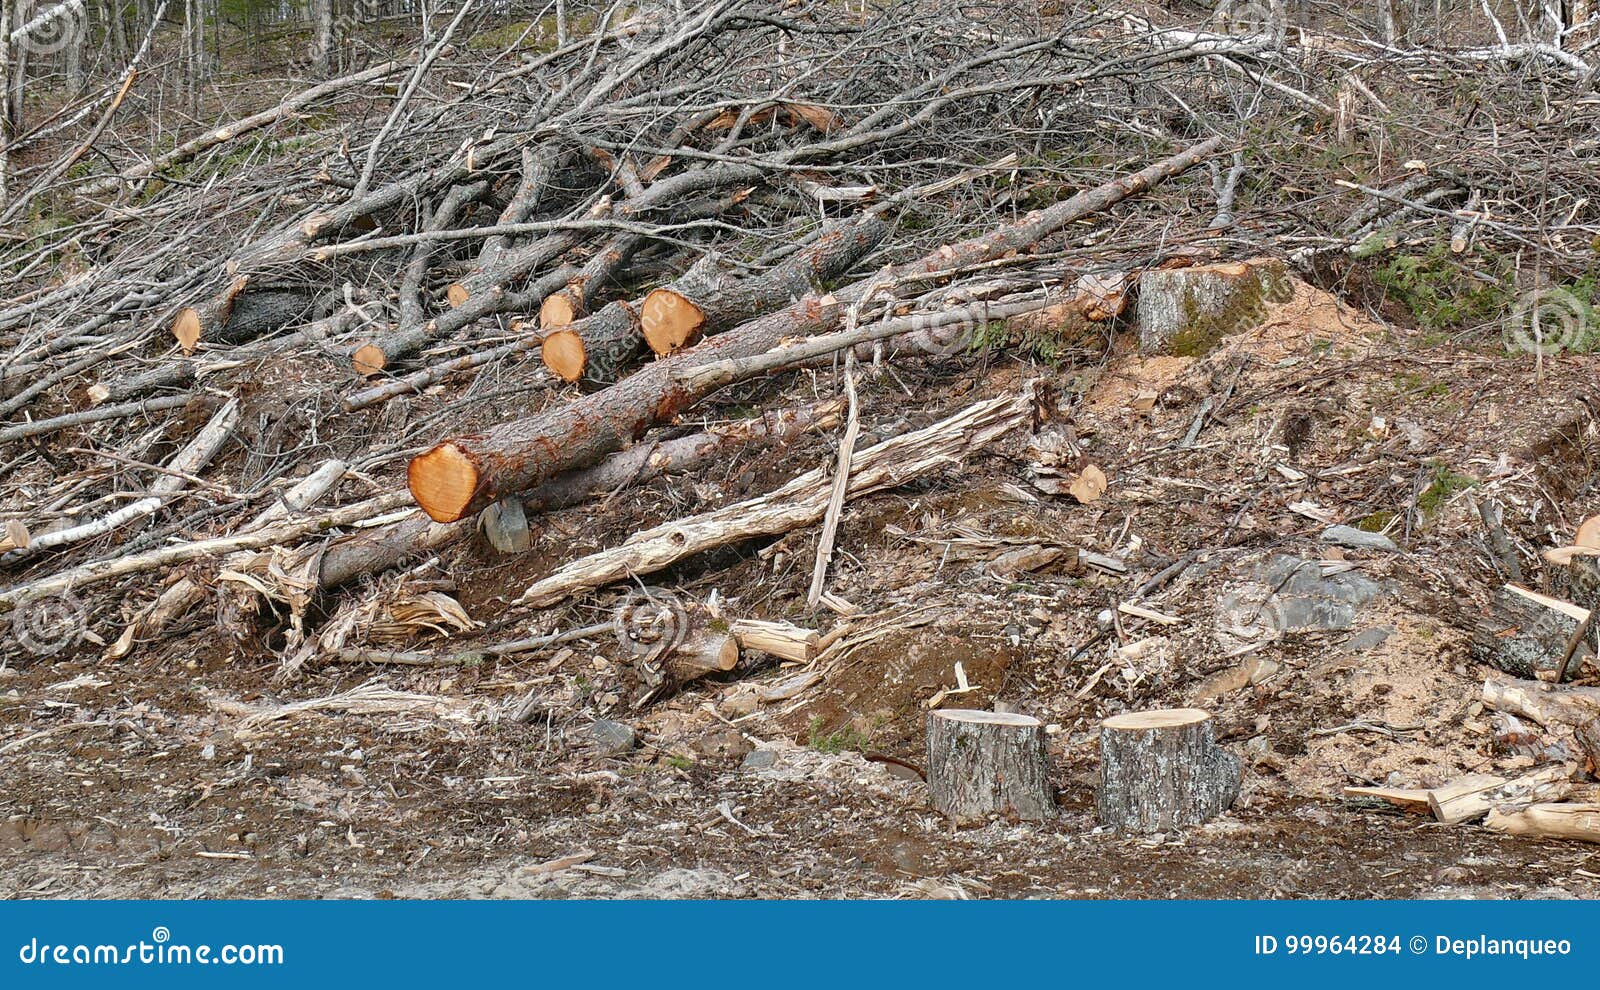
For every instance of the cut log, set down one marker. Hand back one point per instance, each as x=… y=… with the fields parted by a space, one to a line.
x=777 y=639
x=703 y=652
x=1473 y=797
x=1530 y=634
x=462 y=475
x=988 y=763
x=708 y=301
x=1580 y=822
x=1161 y=770
x=194 y=322
x=595 y=349
x=799 y=503
x=1546 y=704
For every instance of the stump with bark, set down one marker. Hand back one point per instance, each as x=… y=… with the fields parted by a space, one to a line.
x=1161 y=770
x=986 y=763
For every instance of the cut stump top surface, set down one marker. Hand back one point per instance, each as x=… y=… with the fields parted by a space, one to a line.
x=1161 y=718
x=990 y=718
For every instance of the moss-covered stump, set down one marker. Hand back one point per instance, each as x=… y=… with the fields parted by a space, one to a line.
x=1186 y=312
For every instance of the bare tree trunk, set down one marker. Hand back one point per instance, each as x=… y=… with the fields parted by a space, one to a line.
x=116 y=31
x=321 y=35
x=6 y=133
x=16 y=82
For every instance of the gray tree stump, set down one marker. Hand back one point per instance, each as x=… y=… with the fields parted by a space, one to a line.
x=983 y=763
x=1160 y=770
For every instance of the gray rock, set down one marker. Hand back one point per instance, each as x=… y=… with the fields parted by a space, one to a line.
x=610 y=738
x=760 y=759
x=1358 y=539
x=1368 y=639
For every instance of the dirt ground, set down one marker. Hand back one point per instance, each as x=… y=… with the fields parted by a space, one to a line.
x=147 y=777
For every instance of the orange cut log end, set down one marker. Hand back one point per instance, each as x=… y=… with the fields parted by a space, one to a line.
x=369 y=360
x=669 y=321
x=557 y=311
x=563 y=353
x=186 y=328
x=443 y=482
x=457 y=294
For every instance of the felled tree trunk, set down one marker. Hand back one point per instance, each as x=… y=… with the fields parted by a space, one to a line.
x=988 y=763
x=777 y=639
x=1476 y=796
x=1161 y=770
x=1530 y=634
x=1546 y=704
x=708 y=301
x=462 y=475
x=1549 y=821
x=705 y=651
x=594 y=349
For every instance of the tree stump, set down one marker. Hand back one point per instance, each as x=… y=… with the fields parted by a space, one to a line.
x=981 y=763
x=1162 y=769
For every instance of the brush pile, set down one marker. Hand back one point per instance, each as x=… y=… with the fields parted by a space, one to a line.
x=418 y=306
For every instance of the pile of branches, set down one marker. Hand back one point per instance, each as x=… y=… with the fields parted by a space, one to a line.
x=458 y=288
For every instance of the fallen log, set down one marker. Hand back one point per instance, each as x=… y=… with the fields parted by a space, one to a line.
x=1161 y=770
x=777 y=639
x=464 y=474
x=988 y=763
x=801 y=502
x=1547 y=704
x=666 y=319
x=350 y=557
x=1580 y=822
x=1473 y=797
x=676 y=316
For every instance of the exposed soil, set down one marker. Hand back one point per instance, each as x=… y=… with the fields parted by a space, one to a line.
x=140 y=779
